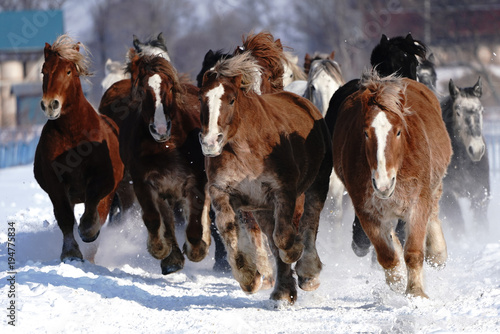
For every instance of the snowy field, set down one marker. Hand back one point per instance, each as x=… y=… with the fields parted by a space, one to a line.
x=124 y=291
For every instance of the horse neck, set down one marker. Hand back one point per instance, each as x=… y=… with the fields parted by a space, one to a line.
x=78 y=112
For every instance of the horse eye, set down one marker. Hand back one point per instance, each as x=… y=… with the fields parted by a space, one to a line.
x=69 y=72
x=366 y=135
x=231 y=102
x=399 y=133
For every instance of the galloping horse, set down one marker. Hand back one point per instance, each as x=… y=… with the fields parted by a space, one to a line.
x=400 y=55
x=159 y=145
x=265 y=174
x=391 y=151
x=468 y=174
x=77 y=158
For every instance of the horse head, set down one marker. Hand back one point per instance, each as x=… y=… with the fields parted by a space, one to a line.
x=467 y=117
x=156 y=89
x=209 y=61
x=426 y=73
x=61 y=71
x=384 y=131
x=325 y=77
x=152 y=47
x=399 y=55
x=219 y=95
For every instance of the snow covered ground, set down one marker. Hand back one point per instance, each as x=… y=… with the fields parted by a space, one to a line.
x=124 y=291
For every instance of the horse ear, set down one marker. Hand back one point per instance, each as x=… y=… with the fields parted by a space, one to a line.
x=307 y=58
x=278 y=44
x=237 y=81
x=332 y=55
x=161 y=39
x=478 y=88
x=454 y=91
x=384 y=39
x=409 y=38
x=431 y=58
x=136 y=42
x=208 y=55
x=46 y=50
x=77 y=47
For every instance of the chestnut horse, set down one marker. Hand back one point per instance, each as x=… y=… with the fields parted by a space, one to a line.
x=160 y=147
x=77 y=158
x=391 y=151
x=264 y=173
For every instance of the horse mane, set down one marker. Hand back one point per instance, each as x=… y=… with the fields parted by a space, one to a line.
x=142 y=66
x=387 y=93
x=243 y=64
x=269 y=51
x=69 y=50
x=291 y=61
x=330 y=66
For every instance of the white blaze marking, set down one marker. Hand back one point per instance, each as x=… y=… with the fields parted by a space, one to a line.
x=160 y=121
x=214 y=103
x=382 y=127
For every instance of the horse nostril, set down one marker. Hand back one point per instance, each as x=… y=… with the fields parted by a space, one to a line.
x=374 y=183
x=55 y=104
x=471 y=151
x=200 y=137
x=483 y=148
x=220 y=137
x=42 y=105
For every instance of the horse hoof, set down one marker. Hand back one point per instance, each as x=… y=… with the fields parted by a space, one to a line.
x=292 y=254
x=89 y=239
x=170 y=269
x=358 y=250
x=309 y=284
x=195 y=253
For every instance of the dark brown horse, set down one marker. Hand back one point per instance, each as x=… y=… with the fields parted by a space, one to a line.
x=391 y=151
x=77 y=158
x=263 y=152
x=160 y=147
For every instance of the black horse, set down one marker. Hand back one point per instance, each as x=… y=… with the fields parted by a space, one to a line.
x=400 y=55
x=468 y=173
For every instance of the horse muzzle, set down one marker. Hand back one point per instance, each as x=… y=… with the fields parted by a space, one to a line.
x=384 y=191
x=211 y=146
x=51 y=109
x=476 y=149
x=161 y=132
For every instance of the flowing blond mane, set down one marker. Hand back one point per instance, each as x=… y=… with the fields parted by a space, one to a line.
x=386 y=92
x=69 y=50
x=291 y=61
x=243 y=64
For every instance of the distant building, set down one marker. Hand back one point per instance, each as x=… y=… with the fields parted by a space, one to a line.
x=22 y=38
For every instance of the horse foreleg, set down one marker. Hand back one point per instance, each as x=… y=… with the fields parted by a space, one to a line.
x=435 y=244
x=388 y=249
x=148 y=199
x=65 y=217
x=285 y=288
x=336 y=195
x=175 y=260
x=198 y=228
x=240 y=259
x=452 y=213
x=414 y=249
x=258 y=240
x=309 y=265
x=285 y=235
